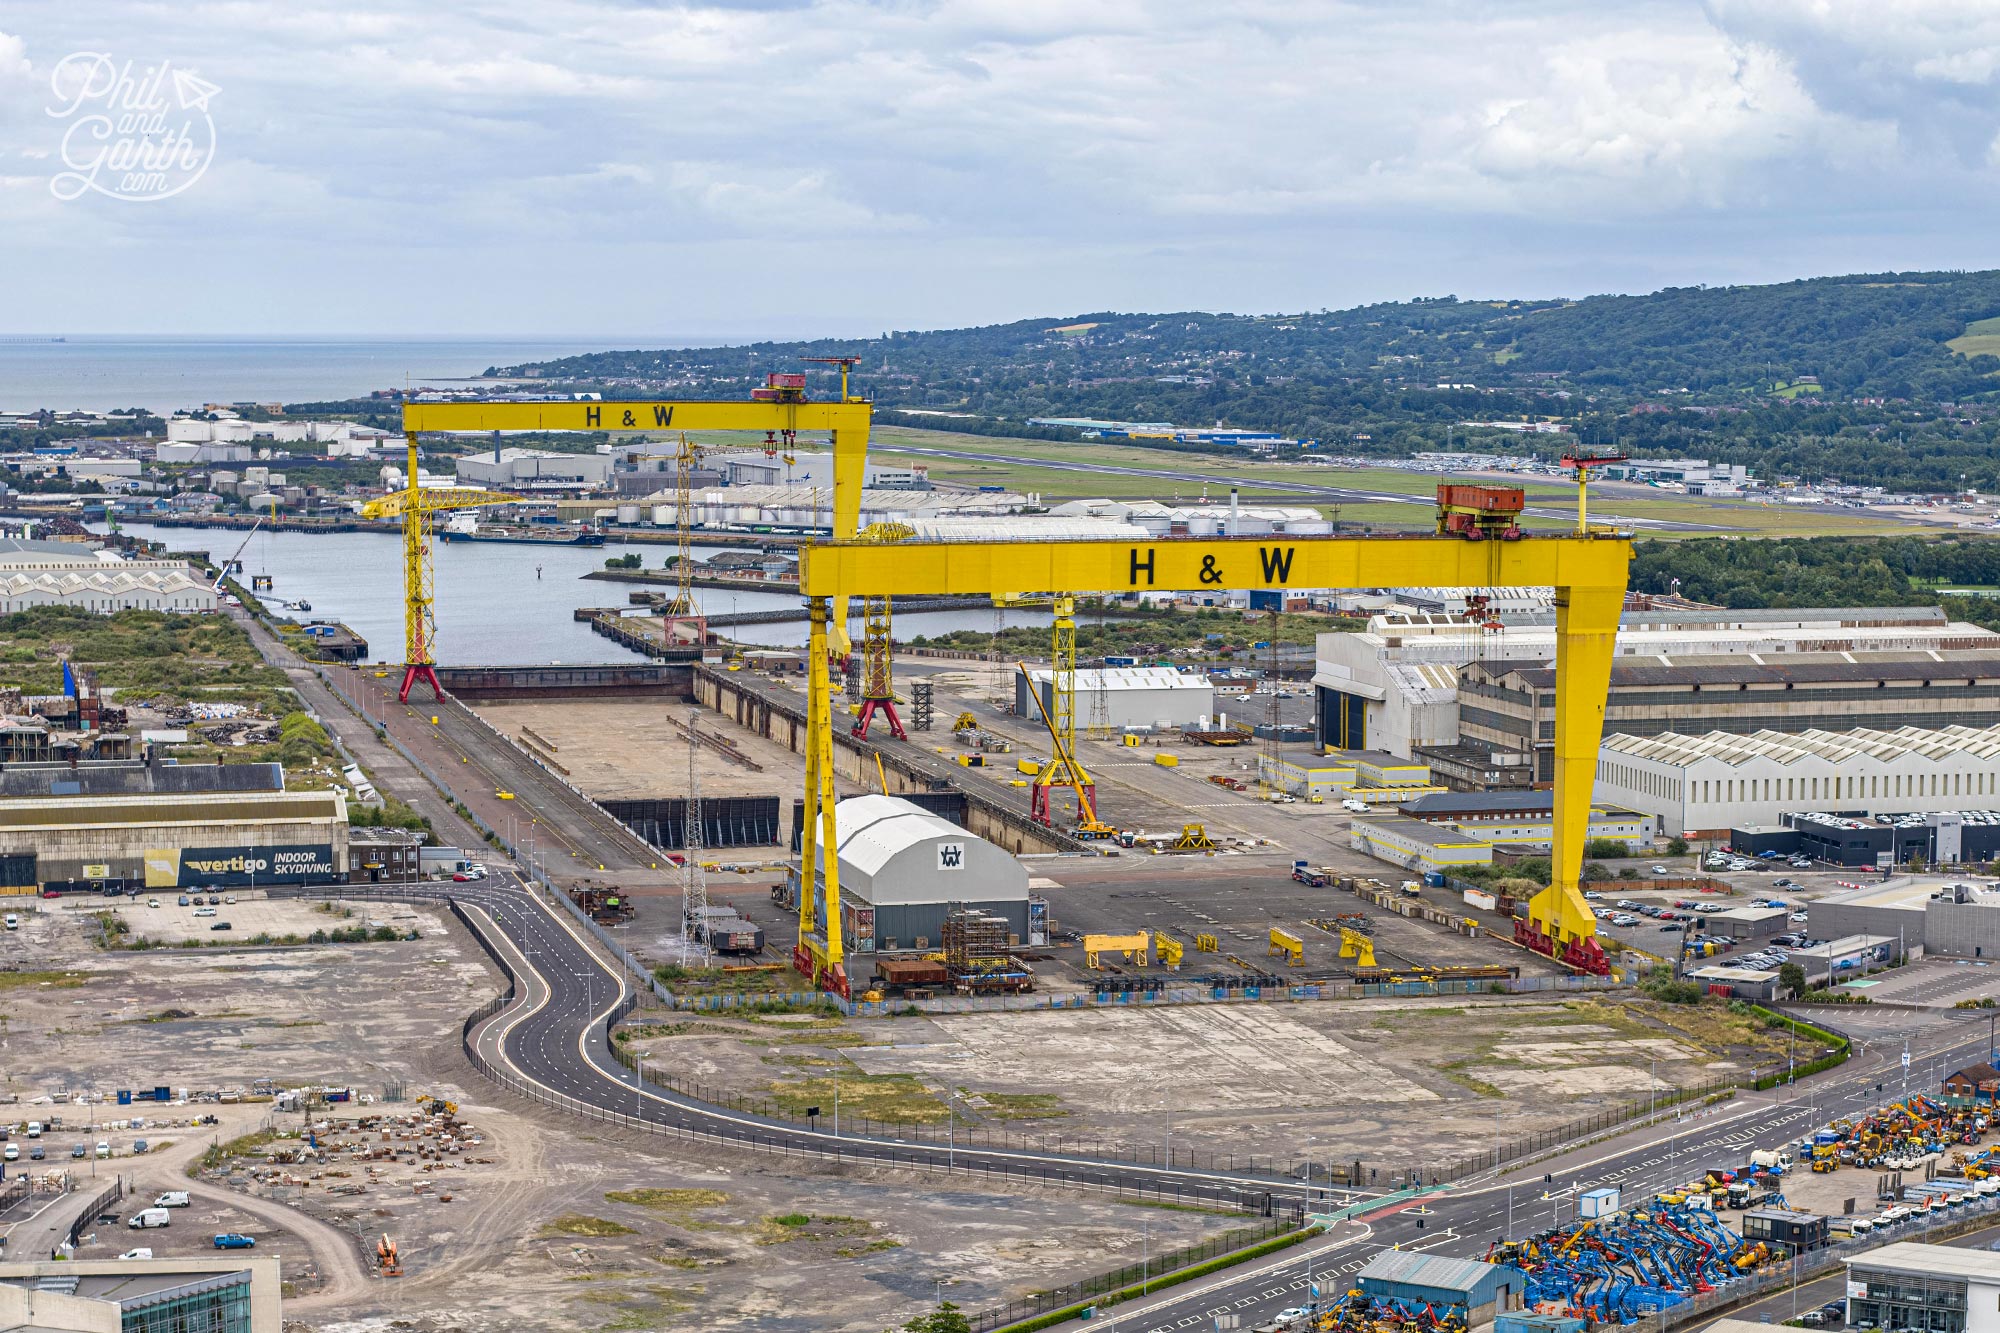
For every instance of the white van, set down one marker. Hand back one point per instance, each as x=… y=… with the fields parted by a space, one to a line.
x=151 y=1217
x=34 y=1129
x=13 y=922
x=172 y=1199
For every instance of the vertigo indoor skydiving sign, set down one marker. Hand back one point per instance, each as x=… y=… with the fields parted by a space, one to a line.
x=193 y=867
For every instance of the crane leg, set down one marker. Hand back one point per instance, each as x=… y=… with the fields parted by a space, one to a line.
x=1560 y=923
x=415 y=672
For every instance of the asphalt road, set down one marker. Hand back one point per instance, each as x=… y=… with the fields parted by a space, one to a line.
x=554 y=1037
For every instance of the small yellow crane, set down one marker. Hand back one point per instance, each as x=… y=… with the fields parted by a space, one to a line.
x=414 y=504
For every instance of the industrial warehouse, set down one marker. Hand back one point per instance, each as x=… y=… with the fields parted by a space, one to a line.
x=1464 y=692
x=132 y=842
x=1702 y=786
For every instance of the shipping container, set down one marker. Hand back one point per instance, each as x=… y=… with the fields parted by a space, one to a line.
x=1780 y=1226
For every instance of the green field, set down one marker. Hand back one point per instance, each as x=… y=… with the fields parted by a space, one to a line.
x=1981 y=337
x=1025 y=471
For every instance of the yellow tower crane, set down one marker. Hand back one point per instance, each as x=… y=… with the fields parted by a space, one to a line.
x=682 y=610
x=414 y=505
x=878 y=686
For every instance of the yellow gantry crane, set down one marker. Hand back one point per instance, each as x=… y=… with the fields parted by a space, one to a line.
x=1587 y=570
x=414 y=505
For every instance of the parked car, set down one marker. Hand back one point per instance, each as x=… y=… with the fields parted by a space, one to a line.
x=172 y=1199
x=229 y=898
x=152 y=902
x=204 y=911
x=37 y=1153
x=220 y=925
x=1798 y=916
x=184 y=900
x=10 y=1153
x=79 y=1151
x=141 y=1253
x=1656 y=870
x=1782 y=884
x=13 y=922
x=235 y=1240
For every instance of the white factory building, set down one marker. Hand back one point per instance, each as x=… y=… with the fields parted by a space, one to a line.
x=1394 y=686
x=902 y=868
x=814 y=469
x=1134 y=697
x=67 y=574
x=1220 y=519
x=812 y=507
x=534 y=470
x=1702 y=786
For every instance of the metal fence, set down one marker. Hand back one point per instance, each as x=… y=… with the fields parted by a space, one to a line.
x=86 y=1219
x=1147 y=1270
x=1617 y=1118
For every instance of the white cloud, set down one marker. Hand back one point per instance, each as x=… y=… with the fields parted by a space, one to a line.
x=945 y=154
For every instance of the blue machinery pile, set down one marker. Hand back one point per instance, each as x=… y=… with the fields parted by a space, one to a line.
x=1617 y=1268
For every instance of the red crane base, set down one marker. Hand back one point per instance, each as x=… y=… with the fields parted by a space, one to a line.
x=870 y=707
x=1583 y=955
x=831 y=978
x=415 y=672
x=1038 y=802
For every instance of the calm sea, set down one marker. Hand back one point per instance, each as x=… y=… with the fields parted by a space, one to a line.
x=103 y=372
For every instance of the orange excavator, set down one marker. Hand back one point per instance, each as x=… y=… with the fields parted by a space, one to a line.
x=385 y=1258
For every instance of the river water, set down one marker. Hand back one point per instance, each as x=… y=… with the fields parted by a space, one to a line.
x=498 y=604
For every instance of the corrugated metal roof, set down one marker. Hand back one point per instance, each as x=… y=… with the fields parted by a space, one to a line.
x=139 y=811
x=869 y=830
x=1431 y=1270
x=1115 y=679
x=1813 y=669
x=1833 y=747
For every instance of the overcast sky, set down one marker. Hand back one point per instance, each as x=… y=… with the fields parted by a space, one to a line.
x=595 y=168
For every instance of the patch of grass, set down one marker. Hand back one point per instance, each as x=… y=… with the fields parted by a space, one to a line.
x=1022 y=1105
x=249 y=1145
x=818 y=1227
x=1981 y=338
x=1477 y=1086
x=576 y=1224
x=872 y=1247
x=791 y=1219
x=877 y=1096
x=669 y=1200
x=58 y=980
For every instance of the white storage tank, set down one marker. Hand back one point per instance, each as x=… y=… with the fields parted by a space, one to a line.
x=628 y=516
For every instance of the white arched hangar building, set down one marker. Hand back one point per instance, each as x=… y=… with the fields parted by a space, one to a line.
x=902 y=868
